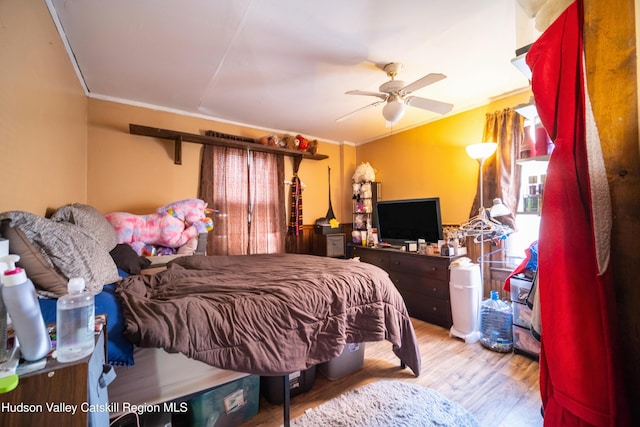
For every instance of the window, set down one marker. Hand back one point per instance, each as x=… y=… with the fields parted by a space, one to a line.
x=246 y=188
x=533 y=161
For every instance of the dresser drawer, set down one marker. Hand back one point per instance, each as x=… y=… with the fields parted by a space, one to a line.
x=430 y=310
x=379 y=258
x=421 y=280
x=335 y=245
x=419 y=264
x=421 y=284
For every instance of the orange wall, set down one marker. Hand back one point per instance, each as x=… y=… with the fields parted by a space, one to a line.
x=65 y=147
x=137 y=173
x=431 y=161
x=43 y=113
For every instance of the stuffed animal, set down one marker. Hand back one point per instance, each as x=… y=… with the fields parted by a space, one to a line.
x=290 y=142
x=171 y=226
x=271 y=140
x=303 y=143
x=313 y=147
x=364 y=173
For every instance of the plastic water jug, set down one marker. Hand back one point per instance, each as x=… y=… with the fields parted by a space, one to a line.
x=496 y=320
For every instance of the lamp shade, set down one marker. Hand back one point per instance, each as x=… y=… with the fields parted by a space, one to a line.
x=498 y=208
x=480 y=151
x=393 y=110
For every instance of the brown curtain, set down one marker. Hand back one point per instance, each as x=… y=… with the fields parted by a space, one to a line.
x=501 y=172
x=246 y=189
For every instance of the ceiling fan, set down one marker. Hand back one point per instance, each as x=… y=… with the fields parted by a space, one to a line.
x=394 y=94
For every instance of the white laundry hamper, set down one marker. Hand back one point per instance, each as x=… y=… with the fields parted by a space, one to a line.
x=465 y=291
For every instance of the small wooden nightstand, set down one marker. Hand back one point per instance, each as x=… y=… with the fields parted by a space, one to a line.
x=329 y=245
x=49 y=396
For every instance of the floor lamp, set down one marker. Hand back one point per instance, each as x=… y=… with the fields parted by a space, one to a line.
x=481 y=152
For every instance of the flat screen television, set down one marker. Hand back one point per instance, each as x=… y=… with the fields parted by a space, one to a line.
x=411 y=219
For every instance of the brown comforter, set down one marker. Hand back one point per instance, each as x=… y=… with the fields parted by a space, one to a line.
x=266 y=314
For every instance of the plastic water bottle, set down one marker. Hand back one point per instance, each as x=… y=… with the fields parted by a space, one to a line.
x=75 y=322
x=20 y=298
x=4 y=354
x=496 y=324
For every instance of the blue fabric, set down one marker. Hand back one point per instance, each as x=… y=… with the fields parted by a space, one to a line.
x=532 y=264
x=119 y=349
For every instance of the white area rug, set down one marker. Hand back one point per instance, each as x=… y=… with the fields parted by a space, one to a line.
x=388 y=403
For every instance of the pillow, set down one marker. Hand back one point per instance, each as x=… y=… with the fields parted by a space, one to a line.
x=128 y=260
x=44 y=276
x=91 y=220
x=188 y=248
x=69 y=248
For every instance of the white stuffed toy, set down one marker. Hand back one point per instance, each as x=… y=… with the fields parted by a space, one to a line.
x=545 y=11
x=364 y=173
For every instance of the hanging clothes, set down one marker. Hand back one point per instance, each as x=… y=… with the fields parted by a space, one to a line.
x=580 y=376
x=295 y=216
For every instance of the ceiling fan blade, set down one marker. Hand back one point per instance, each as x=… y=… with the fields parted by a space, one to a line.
x=429 y=104
x=380 y=95
x=339 y=119
x=425 y=81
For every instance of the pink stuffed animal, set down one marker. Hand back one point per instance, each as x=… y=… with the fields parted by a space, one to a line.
x=172 y=225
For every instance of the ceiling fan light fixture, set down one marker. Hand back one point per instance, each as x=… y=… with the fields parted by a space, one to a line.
x=393 y=110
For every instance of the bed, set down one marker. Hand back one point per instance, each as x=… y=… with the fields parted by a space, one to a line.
x=222 y=317
x=266 y=314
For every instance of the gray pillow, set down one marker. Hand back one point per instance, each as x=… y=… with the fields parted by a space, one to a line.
x=48 y=281
x=69 y=248
x=91 y=220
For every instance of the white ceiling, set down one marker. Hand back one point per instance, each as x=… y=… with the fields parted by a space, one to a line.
x=285 y=65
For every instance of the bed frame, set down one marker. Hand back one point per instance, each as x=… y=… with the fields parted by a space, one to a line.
x=159 y=377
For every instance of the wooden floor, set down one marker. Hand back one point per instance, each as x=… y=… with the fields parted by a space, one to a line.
x=499 y=389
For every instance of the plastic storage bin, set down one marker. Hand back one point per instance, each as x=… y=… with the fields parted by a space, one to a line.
x=227 y=405
x=349 y=361
x=272 y=387
x=525 y=343
x=522 y=315
x=465 y=291
x=520 y=289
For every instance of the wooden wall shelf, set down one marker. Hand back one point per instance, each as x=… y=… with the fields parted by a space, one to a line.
x=179 y=137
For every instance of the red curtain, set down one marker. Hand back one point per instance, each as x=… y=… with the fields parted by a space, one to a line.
x=580 y=373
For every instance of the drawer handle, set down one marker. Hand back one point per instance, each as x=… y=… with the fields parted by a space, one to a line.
x=434 y=268
x=434 y=308
x=435 y=290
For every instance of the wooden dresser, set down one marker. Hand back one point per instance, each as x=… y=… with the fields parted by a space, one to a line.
x=59 y=394
x=423 y=280
x=329 y=245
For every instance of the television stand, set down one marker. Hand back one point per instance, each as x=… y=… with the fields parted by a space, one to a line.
x=422 y=280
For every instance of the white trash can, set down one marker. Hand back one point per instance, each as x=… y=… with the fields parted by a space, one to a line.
x=465 y=292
